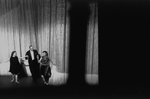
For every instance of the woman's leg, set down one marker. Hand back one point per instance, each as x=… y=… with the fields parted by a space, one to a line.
x=43 y=78
x=13 y=77
x=16 y=78
x=43 y=73
x=46 y=78
x=47 y=74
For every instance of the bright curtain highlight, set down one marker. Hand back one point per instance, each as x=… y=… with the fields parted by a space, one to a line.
x=92 y=46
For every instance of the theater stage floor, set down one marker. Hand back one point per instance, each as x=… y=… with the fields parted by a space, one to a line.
x=26 y=89
x=57 y=78
x=57 y=88
x=24 y=82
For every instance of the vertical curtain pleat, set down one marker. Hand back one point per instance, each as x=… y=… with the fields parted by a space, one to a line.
x=92 y=47
x=92 y=41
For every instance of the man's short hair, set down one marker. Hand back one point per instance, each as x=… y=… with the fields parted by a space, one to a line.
x=30 y=46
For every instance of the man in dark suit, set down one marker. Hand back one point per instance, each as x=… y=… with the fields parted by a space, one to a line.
x=33 y=57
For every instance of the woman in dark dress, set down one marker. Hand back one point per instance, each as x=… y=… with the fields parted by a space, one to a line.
x=45 y=67
x=14 y=66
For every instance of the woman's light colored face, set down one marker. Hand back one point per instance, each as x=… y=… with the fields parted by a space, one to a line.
x=15 y=54
x=43 y=54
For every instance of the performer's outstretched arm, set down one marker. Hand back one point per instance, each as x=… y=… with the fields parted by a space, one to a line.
x=5 y=60
x=23 y=57
x=40 y=60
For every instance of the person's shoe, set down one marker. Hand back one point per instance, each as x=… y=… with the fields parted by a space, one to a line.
x=17 y=82
x=46 y=83
x=12 y=80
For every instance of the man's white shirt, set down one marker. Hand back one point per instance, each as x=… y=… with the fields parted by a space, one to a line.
x=32 y=55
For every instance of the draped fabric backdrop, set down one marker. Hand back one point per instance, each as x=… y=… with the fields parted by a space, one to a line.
x=92 y=41
x=92 y=61
x=45 y=25
x=42 y=23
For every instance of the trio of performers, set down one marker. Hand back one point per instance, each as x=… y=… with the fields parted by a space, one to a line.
x=40 y=66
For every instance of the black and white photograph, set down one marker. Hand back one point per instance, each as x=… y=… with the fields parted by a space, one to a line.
x=49 y=49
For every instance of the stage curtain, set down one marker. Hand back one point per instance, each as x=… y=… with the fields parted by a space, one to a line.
x=92 y=53
x=45 y=25
x=92 y=41
x=41 y=23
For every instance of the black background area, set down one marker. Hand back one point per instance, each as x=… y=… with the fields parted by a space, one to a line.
x=124 y=48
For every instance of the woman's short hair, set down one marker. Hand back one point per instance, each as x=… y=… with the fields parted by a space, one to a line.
x=45 y=52
x=12 y=53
